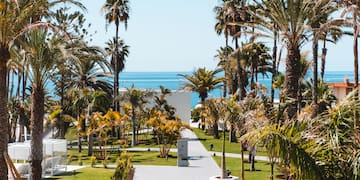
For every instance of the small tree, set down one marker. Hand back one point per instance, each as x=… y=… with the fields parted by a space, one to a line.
x=123 y=167
x=167 y=131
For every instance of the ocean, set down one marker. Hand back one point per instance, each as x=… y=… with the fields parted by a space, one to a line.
x=172 y=80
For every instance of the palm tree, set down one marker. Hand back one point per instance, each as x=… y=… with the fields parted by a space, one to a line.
x=118 y=51
x=217 y=110
x=226 y=64
x=116 y=11
x=137 y=98
x=291 y=18
x=332 y=34
x=41 y=60
x=97 y=101
x=237 y=12
x=353 y=7
x=202 y=81
x=257 y=60
x=90 y=69
x=315 y=148
x=321 y=12
x=13 y=21
x=161 y=104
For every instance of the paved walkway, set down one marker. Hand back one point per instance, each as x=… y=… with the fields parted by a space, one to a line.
x=201 y=165
x=258 y=158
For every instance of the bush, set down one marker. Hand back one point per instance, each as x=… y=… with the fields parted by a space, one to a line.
x=69 y=160
x=123 y=167
x=80 y=160
x=93 y=161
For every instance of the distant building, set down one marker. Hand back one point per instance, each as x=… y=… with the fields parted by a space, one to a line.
x=341 y=89
x=180 y=100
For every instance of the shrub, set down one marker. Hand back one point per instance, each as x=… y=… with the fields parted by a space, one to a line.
x=69 y=160
x=80 y=160
x=93 y=161
x=123 y=167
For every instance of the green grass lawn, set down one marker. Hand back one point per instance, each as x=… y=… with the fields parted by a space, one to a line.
x=98 y=173
x=87 y=173
x=234 y=165
x=206 y=140
x=143 y=158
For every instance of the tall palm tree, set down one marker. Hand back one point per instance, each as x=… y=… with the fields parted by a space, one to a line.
x=116 y=11
x=41 y=60
x=221 y=27
x=217 y=110
x=322 y=10
x=14 y=20
x=118 y=52
x=291 y=18
x=226 y=64
x=91 y=68
x=202 y=81
x=331 y=34
x=353 y=8
x=237 y=12
x=257 y=60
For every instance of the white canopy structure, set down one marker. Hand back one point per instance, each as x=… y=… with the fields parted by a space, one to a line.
x=54 y=156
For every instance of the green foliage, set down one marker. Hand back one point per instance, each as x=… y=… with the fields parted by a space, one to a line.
x=71 y=134
x=123 y=167
x=167 y=131
x=143 y=158
x=195 y=114
x=202 y=81
x=93 y=161
x=69 y=159
x=87 y=173
x=80 y=163
x=234 y=165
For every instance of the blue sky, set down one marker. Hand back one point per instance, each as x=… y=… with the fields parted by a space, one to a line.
x=178 y=35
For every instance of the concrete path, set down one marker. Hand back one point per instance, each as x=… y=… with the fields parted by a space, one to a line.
x=258 y=158
x=201 y=165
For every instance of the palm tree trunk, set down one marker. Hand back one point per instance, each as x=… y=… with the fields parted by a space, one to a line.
x=133 y=139
x=37 y=121
x=202 y=117
x=116 y=69
x=79 y=132
x=62 y=94
x=356 y=70
x=21 y=122
x=11 y=94
x=4 y=57
x=292 y=76
x=18 y=83
x=223 y=162
x=252 y=158
x=225 y=86
x=232 y=133
x=242 y=161
x=241 y=85
x=315 y=47
x=274 y=71
x=216 y=130
x=323 y=59
x=22 y=110
x=90 y=144
x=226 y=69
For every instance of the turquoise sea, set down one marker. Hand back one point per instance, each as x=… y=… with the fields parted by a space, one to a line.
x=171 y=80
